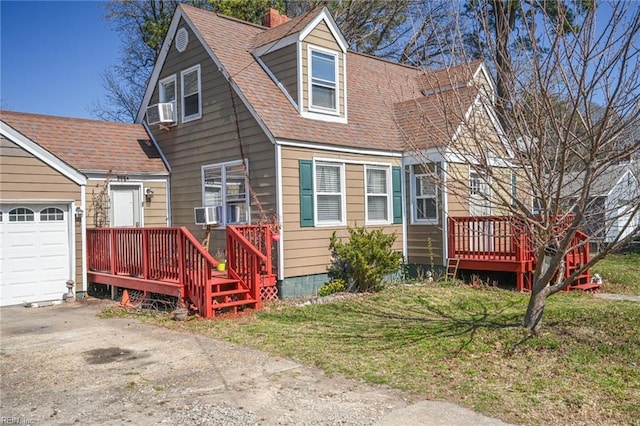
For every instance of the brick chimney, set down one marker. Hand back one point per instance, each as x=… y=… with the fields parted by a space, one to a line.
x=273 y=18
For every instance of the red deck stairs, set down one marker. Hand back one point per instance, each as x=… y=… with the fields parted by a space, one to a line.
x=172 y=261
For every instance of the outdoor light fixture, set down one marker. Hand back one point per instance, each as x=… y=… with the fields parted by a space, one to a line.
x=79 y=212
x=148 y=193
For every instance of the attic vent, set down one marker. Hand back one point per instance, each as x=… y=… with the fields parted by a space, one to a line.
x=182 y=39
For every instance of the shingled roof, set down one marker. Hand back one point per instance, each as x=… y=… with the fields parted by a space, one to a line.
x=291 y=27
x=374 y=86
x=90 y=145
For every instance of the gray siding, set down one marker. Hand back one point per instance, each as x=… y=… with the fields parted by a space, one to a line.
x=283 y=63
x=212 y=139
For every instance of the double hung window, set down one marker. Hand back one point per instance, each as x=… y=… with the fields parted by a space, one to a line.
x=324 y=83
x=225 y=187
x=191 y=99
x=168 y=92
x=377 y=194
x=329 y=194
x=425 y=187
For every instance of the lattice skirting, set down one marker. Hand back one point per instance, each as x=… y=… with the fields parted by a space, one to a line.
x=269 y=293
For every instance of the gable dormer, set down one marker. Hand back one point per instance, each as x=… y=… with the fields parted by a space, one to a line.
x=306 y=57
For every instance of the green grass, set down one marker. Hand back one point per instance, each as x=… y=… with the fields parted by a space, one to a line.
x=621 y=273
x=466 y=346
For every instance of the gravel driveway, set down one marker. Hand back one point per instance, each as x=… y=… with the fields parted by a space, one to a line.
x=64 y=365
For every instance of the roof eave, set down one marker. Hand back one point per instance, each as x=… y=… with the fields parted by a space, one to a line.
x=42 y=154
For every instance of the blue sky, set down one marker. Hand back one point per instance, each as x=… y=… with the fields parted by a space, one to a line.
x=52 y=54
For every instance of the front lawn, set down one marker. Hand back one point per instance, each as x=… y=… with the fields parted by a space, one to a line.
x=465 y=345
x=621 y=273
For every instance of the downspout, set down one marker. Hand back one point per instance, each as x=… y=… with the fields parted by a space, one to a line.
x=83 y=233
x=279 y=208
x=405 y=244
x=445 y=213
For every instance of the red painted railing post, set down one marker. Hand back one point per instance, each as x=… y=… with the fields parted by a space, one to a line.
x=255 y=289
x=268 y=241
x=181 y=259
x=112 y=251
x=145 y=253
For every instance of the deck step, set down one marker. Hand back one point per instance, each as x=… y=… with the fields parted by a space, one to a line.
x=219 y=305
x=223 y=281
x=230 y=292
x=586 y=287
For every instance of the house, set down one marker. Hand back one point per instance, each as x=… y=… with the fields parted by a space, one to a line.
x=614 y=196
x=58 y=177
x=282 y=123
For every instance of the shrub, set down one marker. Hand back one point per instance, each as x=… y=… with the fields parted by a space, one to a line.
x=366 y=258
x=333 y=286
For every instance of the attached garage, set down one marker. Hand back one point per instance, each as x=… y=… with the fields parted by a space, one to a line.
x=35 y=247
x=58 y=176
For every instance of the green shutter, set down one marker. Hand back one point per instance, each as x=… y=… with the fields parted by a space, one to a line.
x=396 y=179
x=306 y=192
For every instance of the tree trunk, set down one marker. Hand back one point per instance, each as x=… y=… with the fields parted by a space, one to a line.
x=535 y=310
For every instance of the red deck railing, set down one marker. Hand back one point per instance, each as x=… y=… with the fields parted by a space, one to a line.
x=172 y=261
x=245 y=262
x=260 y=237
x=503 y=238
x=164 y=260
x=504 y=243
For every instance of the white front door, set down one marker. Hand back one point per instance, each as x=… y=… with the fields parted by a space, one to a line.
x=35 y=253
x=125 y=206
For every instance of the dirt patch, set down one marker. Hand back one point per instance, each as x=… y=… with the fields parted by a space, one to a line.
x=107 y=355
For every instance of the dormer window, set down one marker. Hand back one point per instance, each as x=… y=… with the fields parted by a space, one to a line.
x=324 y=83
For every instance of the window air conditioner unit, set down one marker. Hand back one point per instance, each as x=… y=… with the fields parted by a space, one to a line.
x=160 y=113
x=206 y=215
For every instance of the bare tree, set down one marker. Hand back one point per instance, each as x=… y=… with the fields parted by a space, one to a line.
x=574 y=111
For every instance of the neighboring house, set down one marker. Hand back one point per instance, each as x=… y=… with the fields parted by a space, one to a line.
x=283 y=121
x=59 y=176
x=613 y=196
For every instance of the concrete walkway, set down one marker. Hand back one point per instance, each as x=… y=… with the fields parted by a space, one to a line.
x=611 y=296
x=64 y=365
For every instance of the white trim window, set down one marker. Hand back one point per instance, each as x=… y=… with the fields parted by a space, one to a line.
x=329 y=194
x=425 y=193
x=225 y=187
x=191 y=94
x=168 y=92
x=479 y=195
x=377 y=195
x=323 y=81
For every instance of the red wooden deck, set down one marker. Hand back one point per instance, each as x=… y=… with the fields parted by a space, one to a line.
x=503 y=244
x=172 y=261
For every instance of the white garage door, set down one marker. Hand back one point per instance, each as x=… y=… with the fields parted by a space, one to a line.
x=35 y=253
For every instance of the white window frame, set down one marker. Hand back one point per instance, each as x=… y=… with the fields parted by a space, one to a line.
x=183 y=73
x=479 y=193
x=389 y=205
x=310 y=84
x=414 y=197
x=162 y=93
x=222 y=219
x=342 y=194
